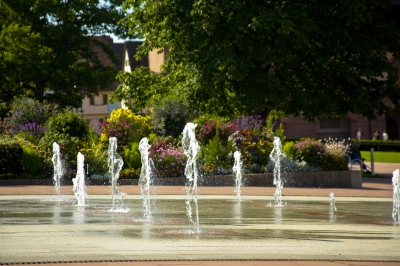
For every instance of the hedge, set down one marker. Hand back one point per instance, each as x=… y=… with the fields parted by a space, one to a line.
x=10 y=159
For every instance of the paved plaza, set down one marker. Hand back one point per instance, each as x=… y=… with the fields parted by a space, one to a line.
x=36 y=227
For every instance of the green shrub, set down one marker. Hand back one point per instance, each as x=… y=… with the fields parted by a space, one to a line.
x=130 y=173
x=217 y=154
x=10 y=158
x=68 y=123
x=132 y=156
x=96 y=154
x=311 y=151
x=170 y=117
x=69 y=148
x=31 y=161
x=70 y=131
x=288 y=148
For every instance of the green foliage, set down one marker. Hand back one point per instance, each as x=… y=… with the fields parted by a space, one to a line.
x=170 y=117
x=96 y=154
x=218 y=154
x=288 y=148
x=130 y=174
x=10 y=158
x=68 y=123
x=328 y=155
x=132 y=156
x=31 y=161
x=56 y=52
x=269 y=132
x=136 y=88
x=310 y=151
x=69 y=147
x=301 y=58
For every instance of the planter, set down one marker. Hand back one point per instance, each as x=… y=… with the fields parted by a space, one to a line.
x=331 y=179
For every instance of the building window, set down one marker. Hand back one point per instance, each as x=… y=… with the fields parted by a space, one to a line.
x=98 y=100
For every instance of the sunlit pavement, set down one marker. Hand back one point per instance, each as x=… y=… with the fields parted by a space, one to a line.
x=252 y=232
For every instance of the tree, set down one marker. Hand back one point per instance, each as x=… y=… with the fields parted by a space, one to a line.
x=47 y=49
x=136 y=88
x=311 y=58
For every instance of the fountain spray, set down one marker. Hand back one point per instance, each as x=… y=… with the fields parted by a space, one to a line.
x=79 y=181
x=332 y=208
x=237 y=168
x=396 y=196
x=191 y=148
x=115 y=164
x=145 y=175
x=58 y=168
x=276 y=155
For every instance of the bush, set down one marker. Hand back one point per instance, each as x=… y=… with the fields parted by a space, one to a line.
x=269 y=131
x=289 y=165
x=4 y=127
x=96 y=154
x=69 y=148
x=28 y=118
x=170 y=117
x=25 y=110
x=205 y=132
x=31 y=161
x=334 y=157
x=310 y=151
x=168 y=157
x=126 y=127
x=30 y=131
x=130 y=173
x=251 y=123
x=70 y=131
x=254 y=149
x=68 y=123
x=10 y=158
x=217 y=154
x=132 y=156
x=288 y=148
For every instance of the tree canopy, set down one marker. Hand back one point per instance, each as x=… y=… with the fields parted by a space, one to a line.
x=47 y=49
x=310 y=57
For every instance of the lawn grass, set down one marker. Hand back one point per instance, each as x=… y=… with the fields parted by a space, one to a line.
x=382 y=156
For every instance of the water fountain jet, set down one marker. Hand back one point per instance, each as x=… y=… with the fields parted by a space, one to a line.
x=237 y=169
x=115 y=163
x=58 y=168
x=145 y=175
x=79 y=181
x=332 y=208
x=396 y=196
x=191 y=149
x=276 y=155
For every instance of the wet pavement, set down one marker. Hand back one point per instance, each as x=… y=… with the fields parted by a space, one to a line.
x=35 y=227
